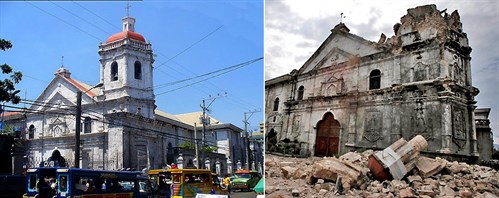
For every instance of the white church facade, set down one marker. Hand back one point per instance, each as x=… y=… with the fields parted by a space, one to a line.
x=121 y=126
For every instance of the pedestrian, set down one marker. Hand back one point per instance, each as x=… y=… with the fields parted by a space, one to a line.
x=226 y=183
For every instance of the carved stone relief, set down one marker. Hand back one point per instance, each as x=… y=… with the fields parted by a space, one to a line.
x=333 y=86
x=58 y=127
x=419 y=122
x=458 y=126
x=421 y=72
x=296 y=127
x=372 y=129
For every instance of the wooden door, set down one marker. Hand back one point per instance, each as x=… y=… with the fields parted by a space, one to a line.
x=327 y=139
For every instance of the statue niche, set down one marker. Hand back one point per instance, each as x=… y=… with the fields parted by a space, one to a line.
x=333 y=86
x=58 y=127
x=373 y=125
x=419 y=123
x=458 y=125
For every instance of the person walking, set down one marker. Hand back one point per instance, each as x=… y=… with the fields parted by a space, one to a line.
x=226 y=183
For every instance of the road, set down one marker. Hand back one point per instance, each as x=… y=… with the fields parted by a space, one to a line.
x=239 y=194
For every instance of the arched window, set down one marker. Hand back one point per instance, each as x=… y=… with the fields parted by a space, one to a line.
x=114 y=71
x=31 y=132
x=276 y=104
x=87 y=125
x=300 y=92
x=138 y=70
x=375 y=79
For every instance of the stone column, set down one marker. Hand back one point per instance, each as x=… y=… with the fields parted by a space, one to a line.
x=395 y=134
x=446 y=127
x=351 y=131
x=473 y=140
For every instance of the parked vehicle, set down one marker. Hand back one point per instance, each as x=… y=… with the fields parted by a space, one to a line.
x=245 y=180
x=75 y=182
x=184 y=183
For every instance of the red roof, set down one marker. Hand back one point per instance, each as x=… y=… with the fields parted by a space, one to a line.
x=79 y=86
x=127 y=34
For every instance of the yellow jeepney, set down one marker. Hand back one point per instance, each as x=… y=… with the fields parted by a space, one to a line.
x=184 y=183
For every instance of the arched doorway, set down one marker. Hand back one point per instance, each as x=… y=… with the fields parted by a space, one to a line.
x=328 y=136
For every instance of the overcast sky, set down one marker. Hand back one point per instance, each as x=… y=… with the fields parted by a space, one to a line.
x=295 y=29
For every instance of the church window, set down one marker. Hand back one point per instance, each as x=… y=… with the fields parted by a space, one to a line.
x=87 y=125
x=300 y=92
x=375 y=79
x=276 y=104
x=31 y=132
x=114 y=71
x=138 y=70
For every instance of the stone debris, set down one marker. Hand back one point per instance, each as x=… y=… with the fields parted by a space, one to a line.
x=428 y=167
x=348 y=176
x=398 y=159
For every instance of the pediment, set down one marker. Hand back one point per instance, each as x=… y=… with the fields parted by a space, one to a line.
x=58 y=102
x=334 y=57
x=338 y=48
x=55 y=96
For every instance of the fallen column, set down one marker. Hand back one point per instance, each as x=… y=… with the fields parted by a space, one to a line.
x=399 y=158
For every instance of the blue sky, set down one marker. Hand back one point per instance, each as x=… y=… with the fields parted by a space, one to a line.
x=202 y=36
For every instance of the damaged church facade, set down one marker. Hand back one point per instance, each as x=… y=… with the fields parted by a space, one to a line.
x=354 y=94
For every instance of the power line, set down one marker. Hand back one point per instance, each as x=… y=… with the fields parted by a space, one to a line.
x=208 y=78
x=237 y=66
x=192 y=45
x=97 y=15
x=63 y=21
x=80 y=18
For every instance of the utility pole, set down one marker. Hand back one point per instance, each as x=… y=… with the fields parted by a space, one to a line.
x=196 y=145
x=78 y=124
x=204 y=120
x=78 y=129
x=246 y=136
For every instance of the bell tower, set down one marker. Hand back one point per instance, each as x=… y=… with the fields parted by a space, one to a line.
x=126 y=71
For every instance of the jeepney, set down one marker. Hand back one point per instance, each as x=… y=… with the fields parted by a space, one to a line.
x=244 y=180
x=184 y=183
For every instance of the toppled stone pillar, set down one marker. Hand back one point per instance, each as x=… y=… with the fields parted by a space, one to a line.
x=395 y=161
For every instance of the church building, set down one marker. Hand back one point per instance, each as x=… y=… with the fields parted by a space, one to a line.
x=354 y=94
x=121 y=126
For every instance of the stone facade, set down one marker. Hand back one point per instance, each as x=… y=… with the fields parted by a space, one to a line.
x=354 y=94
x=484 y=134
x=121 y=127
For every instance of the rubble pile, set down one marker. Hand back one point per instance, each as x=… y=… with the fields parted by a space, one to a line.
x=349 y=176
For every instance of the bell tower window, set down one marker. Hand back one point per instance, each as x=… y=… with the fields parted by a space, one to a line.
x=374 y=79
x=114 y=71
x=138 y=70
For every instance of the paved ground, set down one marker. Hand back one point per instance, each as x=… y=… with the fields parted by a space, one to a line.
x=238 y=194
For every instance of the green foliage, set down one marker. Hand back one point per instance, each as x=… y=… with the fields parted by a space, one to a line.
x=186 y=145
x=8 y=92
x=190 y=145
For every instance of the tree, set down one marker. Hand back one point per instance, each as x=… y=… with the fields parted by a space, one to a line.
x=8 y=92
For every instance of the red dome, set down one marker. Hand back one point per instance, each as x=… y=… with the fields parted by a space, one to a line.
x=127 y=34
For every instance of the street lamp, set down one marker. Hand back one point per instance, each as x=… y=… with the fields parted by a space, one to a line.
x=78 y=123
